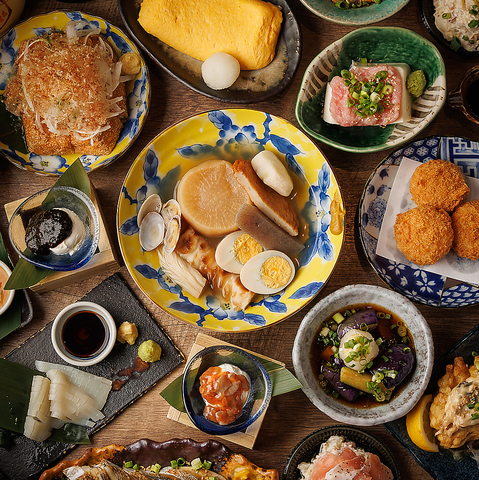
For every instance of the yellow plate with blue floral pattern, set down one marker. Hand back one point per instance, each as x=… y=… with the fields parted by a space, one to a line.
x=12 y=142
x=231 y=134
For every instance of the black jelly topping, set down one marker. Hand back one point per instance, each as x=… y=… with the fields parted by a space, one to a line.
x=47 y=229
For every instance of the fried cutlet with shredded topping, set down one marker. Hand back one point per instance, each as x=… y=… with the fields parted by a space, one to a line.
x=68 y=93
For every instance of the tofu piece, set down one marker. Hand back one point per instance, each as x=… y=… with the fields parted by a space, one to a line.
x=406 y=99
x=246 y=29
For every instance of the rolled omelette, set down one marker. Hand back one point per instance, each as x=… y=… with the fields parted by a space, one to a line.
x=246 y=29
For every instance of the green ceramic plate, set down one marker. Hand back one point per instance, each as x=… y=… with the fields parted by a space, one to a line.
x=379 y=45
x=355 y=16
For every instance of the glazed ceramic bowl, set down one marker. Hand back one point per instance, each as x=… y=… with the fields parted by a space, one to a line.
x=6 y=296
x=309 y=447
x=259 y=394
x=408 y=393
x=57 y=197
x=378 y=45
x=83 y=331
x=354 y=16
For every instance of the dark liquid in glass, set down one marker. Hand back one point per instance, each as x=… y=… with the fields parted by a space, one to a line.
x=83 y=334
x=472 y=97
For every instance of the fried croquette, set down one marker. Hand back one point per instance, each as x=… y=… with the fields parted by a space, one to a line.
x=452 y=409
x=424 y=234
x=465 y=223
x=439 y=184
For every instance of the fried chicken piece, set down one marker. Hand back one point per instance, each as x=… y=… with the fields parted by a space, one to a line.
x=440 y=184
x=424 y=234
x=449 y=413
x=465 y=223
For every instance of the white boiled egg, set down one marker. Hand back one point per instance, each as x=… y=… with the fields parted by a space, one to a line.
x=268 y=272
x=235 y=250
x=357 y=349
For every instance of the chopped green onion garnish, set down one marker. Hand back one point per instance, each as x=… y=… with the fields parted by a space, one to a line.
x=196 y=463
x=446 y=15
x=128 y=464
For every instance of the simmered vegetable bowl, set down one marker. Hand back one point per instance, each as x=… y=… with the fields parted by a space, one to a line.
x=362 y=353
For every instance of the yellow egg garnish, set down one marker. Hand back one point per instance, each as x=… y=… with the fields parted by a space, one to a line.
x=245 y=247
x=275 y=272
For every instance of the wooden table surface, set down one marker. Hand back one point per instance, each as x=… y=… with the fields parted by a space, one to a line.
x=290 y=417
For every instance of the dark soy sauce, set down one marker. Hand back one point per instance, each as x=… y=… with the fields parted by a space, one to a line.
x=472 y=97
x=84 y=334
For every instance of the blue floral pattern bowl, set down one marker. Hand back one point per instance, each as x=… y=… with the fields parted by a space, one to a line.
x=411 y=280
x=12 y=144
x=229 y=135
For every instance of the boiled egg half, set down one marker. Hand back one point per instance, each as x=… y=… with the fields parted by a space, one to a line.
x=268 y=272
x=234 y=251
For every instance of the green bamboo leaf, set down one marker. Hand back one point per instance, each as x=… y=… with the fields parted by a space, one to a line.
x=12 y=318
x=25 y=274
x=70 y=433
x=283 y=381
x=16 y=381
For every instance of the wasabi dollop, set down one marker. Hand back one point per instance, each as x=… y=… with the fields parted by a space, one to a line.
x=149 y=351
x=416 y=83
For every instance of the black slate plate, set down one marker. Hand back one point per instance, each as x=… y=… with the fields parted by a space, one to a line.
x=309 y=447
x=26 y=459
x=253 y=86
x=427 y=14
x=442 y=465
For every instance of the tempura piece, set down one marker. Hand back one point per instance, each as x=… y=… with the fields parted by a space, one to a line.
x=465 y=223
x=200 y=255
x=423 y=234
x=452 y=412
x=439 y=184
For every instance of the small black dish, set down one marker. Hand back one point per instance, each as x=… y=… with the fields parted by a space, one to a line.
x=309 y=447
x=427 y=14
x=258 y=84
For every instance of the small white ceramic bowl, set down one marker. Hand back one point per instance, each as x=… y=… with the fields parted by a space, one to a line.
x=58 y=334
x=9 y=294
x=409 y=393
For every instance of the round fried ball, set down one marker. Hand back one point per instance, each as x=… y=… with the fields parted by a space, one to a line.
x=465 y=223
x=424 y=234
x=438 y=183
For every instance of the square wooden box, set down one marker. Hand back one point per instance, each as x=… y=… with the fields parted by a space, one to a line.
x=102 y=261
x=246 y=438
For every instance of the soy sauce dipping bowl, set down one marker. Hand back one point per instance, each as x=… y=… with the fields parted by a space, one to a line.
x=58 y=332
x=258 y=398
x=56 y=197
x=408 y=392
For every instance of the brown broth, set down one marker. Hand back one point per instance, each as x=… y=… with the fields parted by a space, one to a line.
x=363 y=400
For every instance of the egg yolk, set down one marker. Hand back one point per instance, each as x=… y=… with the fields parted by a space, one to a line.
x=245 y=247
x=275 y=272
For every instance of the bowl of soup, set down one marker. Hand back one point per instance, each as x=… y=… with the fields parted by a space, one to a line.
x=364 y=355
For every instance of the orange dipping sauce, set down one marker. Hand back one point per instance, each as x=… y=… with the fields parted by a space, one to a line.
x=4 y=294
x=224 y=393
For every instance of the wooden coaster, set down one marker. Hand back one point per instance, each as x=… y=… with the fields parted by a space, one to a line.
x=102 y=261
x=246 y=438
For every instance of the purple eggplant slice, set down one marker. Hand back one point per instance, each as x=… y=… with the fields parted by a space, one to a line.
x=357 y=321
x=350 y=394
x=395 y=363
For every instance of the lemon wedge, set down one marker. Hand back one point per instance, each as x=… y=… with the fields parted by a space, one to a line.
x=418 y=427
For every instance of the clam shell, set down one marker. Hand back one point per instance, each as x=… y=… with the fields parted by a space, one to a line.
x=152 y=231
x=172 y=233
x=152 y=203
x=170 y=209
